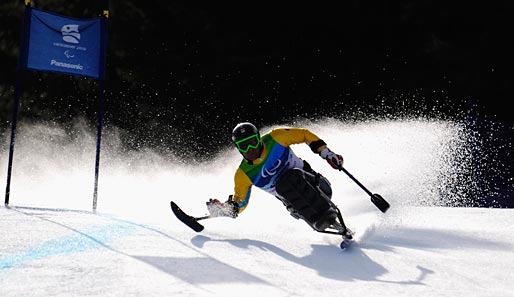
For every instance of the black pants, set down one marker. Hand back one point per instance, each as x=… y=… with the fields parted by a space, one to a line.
x=307 y=196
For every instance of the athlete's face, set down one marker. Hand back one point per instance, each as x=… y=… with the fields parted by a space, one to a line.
x=249 y=147
x=252 y=154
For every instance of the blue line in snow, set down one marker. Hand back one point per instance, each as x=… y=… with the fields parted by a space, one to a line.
x=92 y=238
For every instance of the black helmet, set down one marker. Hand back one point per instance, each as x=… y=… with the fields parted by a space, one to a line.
x=243 y=130
x=246 y=136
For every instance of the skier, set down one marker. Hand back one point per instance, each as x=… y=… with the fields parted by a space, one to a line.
x=270 y=164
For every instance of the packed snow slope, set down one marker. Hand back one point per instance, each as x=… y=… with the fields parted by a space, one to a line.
x=54 y=245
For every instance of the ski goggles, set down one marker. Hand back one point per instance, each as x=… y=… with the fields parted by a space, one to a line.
x=250 y=142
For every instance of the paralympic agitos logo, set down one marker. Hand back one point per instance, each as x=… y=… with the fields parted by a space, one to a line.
x=265 y=172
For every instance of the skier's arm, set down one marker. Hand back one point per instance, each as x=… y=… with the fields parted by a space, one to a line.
x=242 y=190
x=236 y=203
x=291 y=136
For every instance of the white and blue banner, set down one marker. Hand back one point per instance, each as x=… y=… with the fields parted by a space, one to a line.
x=50 y=42
x=55 y=43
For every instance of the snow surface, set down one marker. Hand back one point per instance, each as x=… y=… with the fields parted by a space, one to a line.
x=54 y=245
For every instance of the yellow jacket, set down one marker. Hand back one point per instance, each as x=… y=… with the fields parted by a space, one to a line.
x=276 y=157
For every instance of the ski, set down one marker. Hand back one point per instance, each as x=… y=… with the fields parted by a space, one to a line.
x=190 y=221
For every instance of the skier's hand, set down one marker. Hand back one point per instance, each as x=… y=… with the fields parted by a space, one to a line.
x=217 y=208
x=335 y=160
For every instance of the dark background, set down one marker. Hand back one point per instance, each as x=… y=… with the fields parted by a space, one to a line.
x=181 y=74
